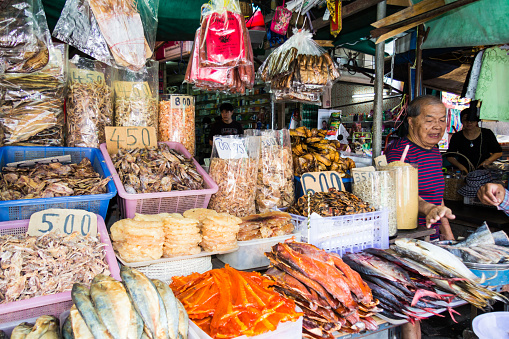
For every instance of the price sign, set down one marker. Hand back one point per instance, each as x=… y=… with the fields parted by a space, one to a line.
x=268 y=142
x=182 y=100
x=361 y=174
x=321 y=181
x=62 y=221
x=84 y=76
x=230 y=148
x=129 y=89
x=129 y=137
x=381 y=161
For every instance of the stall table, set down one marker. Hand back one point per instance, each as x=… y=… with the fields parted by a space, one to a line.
x=420 y=232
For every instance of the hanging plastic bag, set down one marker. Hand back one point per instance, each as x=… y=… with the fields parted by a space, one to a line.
x=281 y=20
x=176 y=120
x=121 y=32
x=274 y=187
x=32 y=105
x=89 y=102
x=234 y=167
x=136 y=96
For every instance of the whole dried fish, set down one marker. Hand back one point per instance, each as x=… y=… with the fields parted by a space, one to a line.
x=35 y=266
x=156 y=170
x=51 y=180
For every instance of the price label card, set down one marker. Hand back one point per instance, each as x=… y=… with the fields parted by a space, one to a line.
x=381 y=161
x=321 y=181
x=182 y=100
x=229 y=148
x=129 y=89
x=64 y=159
x=62 y=221
x=268 y=142
x=84 y=76
x=361 y=174
x=129 y=137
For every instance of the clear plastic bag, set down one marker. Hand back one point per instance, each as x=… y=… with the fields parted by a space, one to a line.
x=89 y=102
x=111 y=31
x=234 y=167
x=177 y=121
x=136 y=96
x=32 y=105
x=275 y=187
x=25 y=40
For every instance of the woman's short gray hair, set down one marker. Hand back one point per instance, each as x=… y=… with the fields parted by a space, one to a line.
x=414 y=107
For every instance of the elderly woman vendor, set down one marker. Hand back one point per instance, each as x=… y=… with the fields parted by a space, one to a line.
x=426 y=126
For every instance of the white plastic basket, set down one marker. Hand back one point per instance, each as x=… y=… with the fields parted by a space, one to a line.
x=165 y=271
x=346 y=233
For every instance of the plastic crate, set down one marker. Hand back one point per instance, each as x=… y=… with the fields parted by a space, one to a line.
x=57 y=303
x=161 y=202
x=251 y=253
x=176 y=268
x=24 y=208
x=346 y=233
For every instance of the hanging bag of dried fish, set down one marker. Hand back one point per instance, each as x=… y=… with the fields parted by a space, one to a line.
x=234 y=167
x=136 y=96
x=89 y=102
x=32 y=109
x=116 y=32
x=274 y=187
x=176 y=120
x=25 y=39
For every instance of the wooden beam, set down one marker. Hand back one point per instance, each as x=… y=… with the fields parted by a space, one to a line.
x=419 y=8
x=348 y=10
x=421 y=18
x=325 y=43
x=403 y=3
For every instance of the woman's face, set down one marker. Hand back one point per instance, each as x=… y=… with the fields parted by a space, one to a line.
x=427 y=129
x=469 y=125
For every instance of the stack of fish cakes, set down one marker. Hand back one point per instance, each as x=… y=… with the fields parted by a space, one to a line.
x=220 y=232
x=138 y=240
x=182 y=236
x=199 y=214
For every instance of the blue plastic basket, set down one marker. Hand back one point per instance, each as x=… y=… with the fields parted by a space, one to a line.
x=24 y=208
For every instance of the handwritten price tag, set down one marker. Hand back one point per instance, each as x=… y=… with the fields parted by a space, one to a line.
x=381 y=161
x=321 y=181
x=268 y=142
x=128 y=89
x=83 y=76
x=361 y=174
x=62 y=221
x=129 y=137
x=182 y=100
x=229 y=148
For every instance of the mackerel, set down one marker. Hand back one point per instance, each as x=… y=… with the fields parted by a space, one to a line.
x=170 y=304
x=67 y=329
x=81 y=297
x=183 y=321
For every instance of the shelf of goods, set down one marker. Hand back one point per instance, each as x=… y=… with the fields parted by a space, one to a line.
x=154 y=203
x=24 y=208
x=57 y=303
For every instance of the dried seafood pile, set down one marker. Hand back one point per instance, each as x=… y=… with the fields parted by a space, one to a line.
x=265 y=225
x=331 y=294
x=51 y=180
x=136 y=112
x=156 y=170
x=89 y=110
x=313 y=153
x=47 y=264
x=236 y=179
x=176 y=122
x=330 y=204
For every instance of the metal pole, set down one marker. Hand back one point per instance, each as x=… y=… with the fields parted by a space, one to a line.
x=379 y=86
x=272 y=115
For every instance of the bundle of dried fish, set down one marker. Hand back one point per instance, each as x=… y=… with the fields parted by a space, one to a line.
x=330 y=204
x=51 y=180
x=136 y=112
x=35 y=266
x=46 y=326
x=89 y=110
x=156 y=170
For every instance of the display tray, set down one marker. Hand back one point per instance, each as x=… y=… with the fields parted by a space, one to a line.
x=163 y=260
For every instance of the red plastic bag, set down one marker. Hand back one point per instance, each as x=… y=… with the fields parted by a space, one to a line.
x=281 y=20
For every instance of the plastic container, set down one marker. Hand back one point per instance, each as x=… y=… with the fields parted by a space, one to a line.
x=24 y=208
x=497 y=275
x=251 y=253
x=286 y=330
x=167 y=270
x=57 y=303
x=169 y=202
x=346 y=233
x=492 y=325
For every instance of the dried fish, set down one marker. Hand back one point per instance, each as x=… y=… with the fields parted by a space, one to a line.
x=136 y=112
x=156 y=170
x=33 y=266
x=51 y=180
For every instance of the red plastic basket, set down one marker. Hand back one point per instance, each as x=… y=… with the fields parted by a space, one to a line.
x=53 y=304
x=161 y=202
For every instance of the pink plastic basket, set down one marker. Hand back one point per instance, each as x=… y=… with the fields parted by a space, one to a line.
x=53 y=304
x=163 y=202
